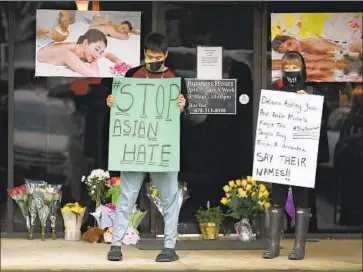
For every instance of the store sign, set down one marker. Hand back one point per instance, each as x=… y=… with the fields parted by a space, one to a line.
x=287 y=138
x=211 y=96
x=145 y=125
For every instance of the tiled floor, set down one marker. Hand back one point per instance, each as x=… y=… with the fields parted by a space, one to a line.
x=60 y=255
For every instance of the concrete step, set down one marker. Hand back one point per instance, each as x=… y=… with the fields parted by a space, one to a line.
x=60 y=255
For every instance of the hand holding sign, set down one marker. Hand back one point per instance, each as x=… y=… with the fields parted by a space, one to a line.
x=181 y=102
x=110 y=100
x=144 y=125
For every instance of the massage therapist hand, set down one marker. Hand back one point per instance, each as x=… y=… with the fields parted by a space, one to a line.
x=110 y=100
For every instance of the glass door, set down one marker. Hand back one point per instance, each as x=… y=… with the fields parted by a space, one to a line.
x=4 y=68
x=335 y=200
x=215 y=148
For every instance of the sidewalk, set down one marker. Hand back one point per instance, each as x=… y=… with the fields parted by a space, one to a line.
x=25 y=255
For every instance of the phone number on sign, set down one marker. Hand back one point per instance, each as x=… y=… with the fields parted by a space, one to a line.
x=207 y=110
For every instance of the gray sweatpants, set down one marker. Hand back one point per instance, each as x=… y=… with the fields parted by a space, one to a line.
x=130 y=184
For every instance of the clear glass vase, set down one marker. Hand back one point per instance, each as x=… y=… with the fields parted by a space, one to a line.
x=244 y=230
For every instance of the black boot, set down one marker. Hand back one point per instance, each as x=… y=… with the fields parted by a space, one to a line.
x=276 y=215
x=301 y=232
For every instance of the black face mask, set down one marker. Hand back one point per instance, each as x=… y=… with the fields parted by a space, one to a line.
x=155 y=66
x=292 y=78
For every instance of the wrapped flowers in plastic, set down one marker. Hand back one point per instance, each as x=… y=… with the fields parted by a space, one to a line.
x=56 y=191
x=153 y=195
x=104 y=215
x=21 y=198
x=31 y=187
x=132 y=235
x=73 y=215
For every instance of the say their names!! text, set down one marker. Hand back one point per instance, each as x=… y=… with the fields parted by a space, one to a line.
x=283 y=159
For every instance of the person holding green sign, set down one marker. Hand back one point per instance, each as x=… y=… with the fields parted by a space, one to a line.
x=156 y=51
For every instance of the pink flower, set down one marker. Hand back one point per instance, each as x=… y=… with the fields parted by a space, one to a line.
x=120 y=68
x=110 y=206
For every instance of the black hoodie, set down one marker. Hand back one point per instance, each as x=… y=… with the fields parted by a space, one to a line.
x=323 y=153
x=303 y=76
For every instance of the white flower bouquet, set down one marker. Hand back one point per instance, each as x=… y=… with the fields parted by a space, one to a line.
x=95 y=183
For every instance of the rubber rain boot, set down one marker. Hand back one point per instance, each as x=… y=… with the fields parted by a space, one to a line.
x=301 y=232
x=276 y=216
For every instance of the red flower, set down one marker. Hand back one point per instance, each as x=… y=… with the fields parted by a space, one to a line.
x=17 y=191
x=112 y=181
x=120 y=68
x=280 y=83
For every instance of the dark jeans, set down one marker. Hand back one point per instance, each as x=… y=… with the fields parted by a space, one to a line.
x=300 y=196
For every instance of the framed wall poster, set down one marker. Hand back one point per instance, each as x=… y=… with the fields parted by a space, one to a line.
x=331 y=44
x=73 y=43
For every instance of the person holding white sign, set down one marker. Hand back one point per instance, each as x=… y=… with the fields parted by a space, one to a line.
x=294 y=80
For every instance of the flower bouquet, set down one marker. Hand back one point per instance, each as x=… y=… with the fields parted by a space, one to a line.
x=113 y=192
x=20 y=196
x=31 y=186
x=72 y=216
x=153 y=195
x=245 y=199
x=104 y=215
x=137 y=217
x=43 y=199
x=37 y=198
x=132 y=235
x=56 y=191
x=120 y=69
x=95 y=183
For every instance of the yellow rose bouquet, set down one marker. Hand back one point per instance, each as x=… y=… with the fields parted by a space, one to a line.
x=245 y=198
x=73 y=214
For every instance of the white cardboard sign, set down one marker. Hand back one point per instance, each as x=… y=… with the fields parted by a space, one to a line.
x=287 y=138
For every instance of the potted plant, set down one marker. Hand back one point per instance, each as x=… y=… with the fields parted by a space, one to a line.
x=209 y=220
x=245 y=200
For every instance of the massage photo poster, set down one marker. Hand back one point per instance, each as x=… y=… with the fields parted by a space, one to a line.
x=71 y=43
x=331 y=44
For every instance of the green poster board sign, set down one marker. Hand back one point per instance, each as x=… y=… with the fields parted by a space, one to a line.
x=145 y=125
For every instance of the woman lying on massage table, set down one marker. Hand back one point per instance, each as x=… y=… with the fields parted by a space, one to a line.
x=80 y=57
x=117 y=31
